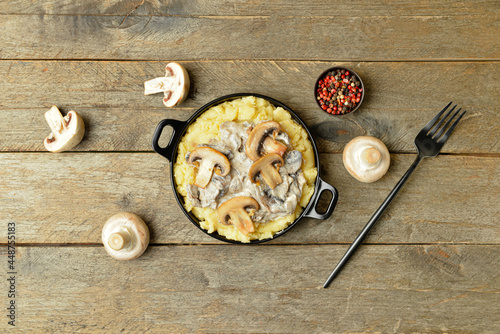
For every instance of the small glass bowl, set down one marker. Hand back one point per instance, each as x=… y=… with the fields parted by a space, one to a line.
x=351 y=72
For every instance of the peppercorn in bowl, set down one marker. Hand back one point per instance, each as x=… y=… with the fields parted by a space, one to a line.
x=339 y=91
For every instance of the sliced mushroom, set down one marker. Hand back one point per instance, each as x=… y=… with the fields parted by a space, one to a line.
x=267 y=168
x=366 y=158
x=261 y=140
x=221 y=147
x=67 y=131
x=174 y=85
x=125 y=236
x=235 y=212
x=271 y=145
x=206 y=159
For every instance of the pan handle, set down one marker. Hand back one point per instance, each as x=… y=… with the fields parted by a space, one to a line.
x=323 y=186
x=177 y=127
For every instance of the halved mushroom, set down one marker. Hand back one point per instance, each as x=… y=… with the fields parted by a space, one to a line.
x=366 y=158
x=234 y=211
x=67 y=131
x=206 y=159
x=261 y=140
x=174 y=85
x=125 y=236
x=267 y=168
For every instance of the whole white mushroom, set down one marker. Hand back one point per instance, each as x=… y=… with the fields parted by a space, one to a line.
x=125 y=236
x=366 y=158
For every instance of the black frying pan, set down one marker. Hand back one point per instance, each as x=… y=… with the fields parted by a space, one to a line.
x=180 y=127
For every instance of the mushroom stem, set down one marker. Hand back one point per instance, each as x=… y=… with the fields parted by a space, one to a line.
x=271 y=145
x=159 y=85
x=243 y=222
x=120 y=240
x=204 y=175
x=271 y=176
x=371 y=155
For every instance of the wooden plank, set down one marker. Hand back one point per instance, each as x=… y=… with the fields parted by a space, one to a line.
x=66 y=198
x=110 y=97
x=228 y=289
x=241 y=7
x=364 y=37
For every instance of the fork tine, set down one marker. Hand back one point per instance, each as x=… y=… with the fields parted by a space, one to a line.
x=433 y=121
x=438 y=135
x=448 y=133
x=437 y=126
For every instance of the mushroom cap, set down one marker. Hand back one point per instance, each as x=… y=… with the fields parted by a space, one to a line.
x=265 y=166
x=234 y=211
x=260 y=132
x=67 y=131
x=206 y=159
x=125 y=236
x=366 y=158
x=180 y=89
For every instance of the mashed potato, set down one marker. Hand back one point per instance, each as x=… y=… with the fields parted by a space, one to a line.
x=206 y=127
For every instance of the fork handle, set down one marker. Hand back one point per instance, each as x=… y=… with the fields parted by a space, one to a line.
x=371 y=222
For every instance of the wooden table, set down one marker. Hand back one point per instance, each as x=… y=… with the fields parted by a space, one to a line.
x=430 y=265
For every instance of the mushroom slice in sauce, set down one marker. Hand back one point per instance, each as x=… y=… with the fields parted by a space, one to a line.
x=262 y=140
x=267 y=168
x=235 y=212
x=271 y=145
x=206 y=159
x=224 y=149
x=284 y=198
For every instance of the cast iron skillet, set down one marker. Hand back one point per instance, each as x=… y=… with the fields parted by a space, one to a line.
x=180 y=127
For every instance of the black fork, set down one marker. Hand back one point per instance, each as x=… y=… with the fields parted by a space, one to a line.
x=429 y=142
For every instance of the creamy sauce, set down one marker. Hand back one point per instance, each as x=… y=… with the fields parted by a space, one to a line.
x=274 y=203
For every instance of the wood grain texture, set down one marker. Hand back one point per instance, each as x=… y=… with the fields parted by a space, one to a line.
x=400 y=99
x=248 y=8
x=271 y=289
x=364 y=37
x=431 y=263
x=66 y=198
